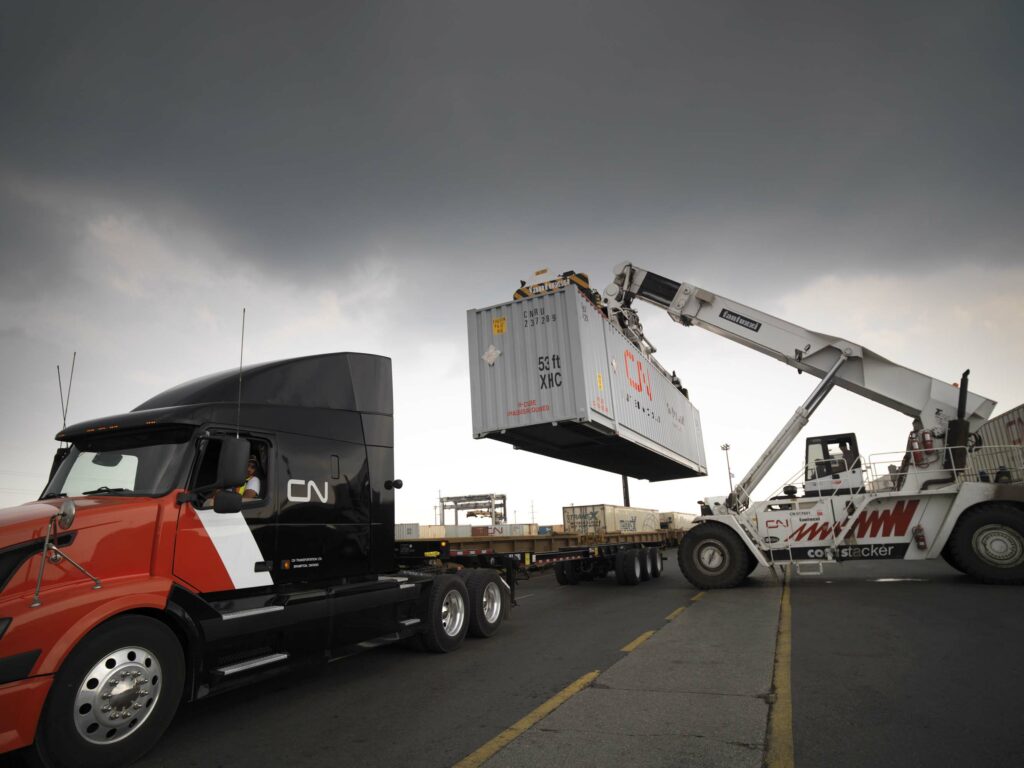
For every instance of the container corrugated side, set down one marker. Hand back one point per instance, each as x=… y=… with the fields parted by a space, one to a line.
x=551 y=375
x=407 y=531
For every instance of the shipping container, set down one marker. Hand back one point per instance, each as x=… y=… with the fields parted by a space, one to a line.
x=553 y=376
x=998 y=452
x=512 y=529
x=608 y=518
x=407 y=531
x=458 y=531
x=544 y=530
x=677 y=521
x=480 y=530
x=432 y=532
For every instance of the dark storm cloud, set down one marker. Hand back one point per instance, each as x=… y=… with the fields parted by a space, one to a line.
x=312 y=133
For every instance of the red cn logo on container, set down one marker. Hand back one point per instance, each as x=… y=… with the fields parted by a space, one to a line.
x=637 y=377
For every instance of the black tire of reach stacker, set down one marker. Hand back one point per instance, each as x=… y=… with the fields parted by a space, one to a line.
x=951 y=559
x=627 y=567
x=446 y=614
x=488 y=602
x=988 y=542
x=656 y=564
x=712 y=556
x=144 y=660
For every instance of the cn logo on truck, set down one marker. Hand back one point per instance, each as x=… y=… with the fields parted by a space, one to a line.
x=641 y=382
x=305 y=490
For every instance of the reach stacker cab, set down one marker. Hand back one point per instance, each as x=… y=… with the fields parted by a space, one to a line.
x=226 y=530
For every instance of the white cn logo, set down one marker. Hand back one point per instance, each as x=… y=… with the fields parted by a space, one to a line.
x=305 y=490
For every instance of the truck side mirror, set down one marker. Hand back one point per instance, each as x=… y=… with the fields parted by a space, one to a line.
x=392 y=484
x=231 y=466
x=226 y=502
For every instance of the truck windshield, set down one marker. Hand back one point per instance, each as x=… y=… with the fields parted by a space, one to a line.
x=147 y=463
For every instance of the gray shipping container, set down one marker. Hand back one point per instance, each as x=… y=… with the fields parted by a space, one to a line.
x=551 y=375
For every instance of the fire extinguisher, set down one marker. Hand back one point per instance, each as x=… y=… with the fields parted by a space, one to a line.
x=914 y=446
x=928 y=443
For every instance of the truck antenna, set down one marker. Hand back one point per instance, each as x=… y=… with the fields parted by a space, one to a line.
x=241 y=351
x=64 y=403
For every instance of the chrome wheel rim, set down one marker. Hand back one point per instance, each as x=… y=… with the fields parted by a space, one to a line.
x=491 y=606
x=453 y=613
x=117 y=695
x=999 y=546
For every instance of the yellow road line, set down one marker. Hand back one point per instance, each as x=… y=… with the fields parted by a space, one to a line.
x=696 y=597
x=676 y=613
x=780 y=720
x=506 y=737
x=638 y=642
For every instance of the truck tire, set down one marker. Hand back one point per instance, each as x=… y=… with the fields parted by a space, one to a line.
x=114 y=695
x=947 y=555
x=643 y=555
x=712 y=556
x=627 y=567
x=988 y=542
x=488 y=602
x=446 y=620
x=656 y=564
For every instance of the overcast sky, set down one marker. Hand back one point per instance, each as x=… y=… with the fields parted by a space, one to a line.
x=358 y=175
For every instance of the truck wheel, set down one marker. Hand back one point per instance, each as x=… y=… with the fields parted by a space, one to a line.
x=712 y=556
x=988 y=542
x=114 y=695
x=487 y=602
x=446 y=620
x=655 y=554
x=560 y=574
x=627 y=567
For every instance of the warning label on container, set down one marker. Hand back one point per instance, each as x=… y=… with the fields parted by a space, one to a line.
x=528 y=407
x=499 y=325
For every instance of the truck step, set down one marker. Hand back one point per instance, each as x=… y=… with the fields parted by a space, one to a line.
x=810 y=569
x=245 y=666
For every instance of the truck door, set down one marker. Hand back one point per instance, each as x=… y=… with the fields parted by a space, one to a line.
x=222 y=553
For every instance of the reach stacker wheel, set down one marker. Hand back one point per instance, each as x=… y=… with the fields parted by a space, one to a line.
x=712 y=556
x=988 y=544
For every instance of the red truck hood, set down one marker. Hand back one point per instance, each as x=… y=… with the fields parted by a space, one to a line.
x=28 y=521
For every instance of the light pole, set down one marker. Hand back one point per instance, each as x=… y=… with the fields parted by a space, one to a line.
x=728 y=468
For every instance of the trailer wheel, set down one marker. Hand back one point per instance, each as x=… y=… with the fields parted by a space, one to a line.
x=988 y=542
x=645 y=563
x=114 y=695
x=656 y=564
x=488 y=601
x=712 y=556
x=627 y=567
x=566 y=574
x=446 y=620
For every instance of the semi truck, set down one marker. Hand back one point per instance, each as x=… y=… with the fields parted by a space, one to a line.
x=153 y=570
x=949 y=493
